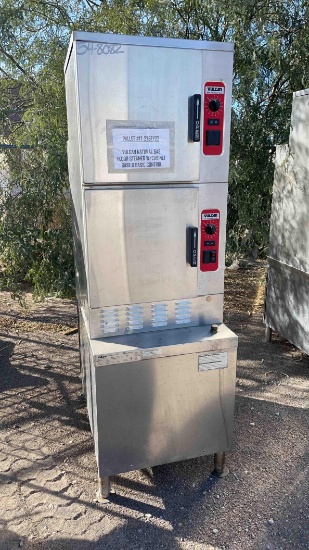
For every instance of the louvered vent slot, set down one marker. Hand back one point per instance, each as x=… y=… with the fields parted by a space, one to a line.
x=135 y=317
x=159 y=315
x=109 y=320
x=183 y=312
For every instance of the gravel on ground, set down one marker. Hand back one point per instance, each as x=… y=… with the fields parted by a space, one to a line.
x=47 y=463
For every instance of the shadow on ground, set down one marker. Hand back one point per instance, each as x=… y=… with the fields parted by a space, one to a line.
x=48 y=465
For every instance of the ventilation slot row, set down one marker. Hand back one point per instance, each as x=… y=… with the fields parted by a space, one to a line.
x=109 y=320
x=159 y=315
x=135 y=317
x=183 y=312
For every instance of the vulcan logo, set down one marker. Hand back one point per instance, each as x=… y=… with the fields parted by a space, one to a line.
x=214 y=90
x=211 y=215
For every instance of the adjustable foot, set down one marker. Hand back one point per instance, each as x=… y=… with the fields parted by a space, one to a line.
x=268 y=334
x=104 y=488
x=221 y=470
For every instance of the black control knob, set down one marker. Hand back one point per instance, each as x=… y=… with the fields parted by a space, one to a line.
x=214 y=105
x=210 y=229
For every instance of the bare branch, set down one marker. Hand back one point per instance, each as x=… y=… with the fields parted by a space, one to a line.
x=15 y=62
x=91 y=4
x=6 y=74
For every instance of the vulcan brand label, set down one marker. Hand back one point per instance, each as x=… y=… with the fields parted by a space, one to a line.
x=214 y=90
x=211 y=216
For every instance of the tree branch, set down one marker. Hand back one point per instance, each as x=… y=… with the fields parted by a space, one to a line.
x=6 y=74
x=91 y=4
x=13 y=60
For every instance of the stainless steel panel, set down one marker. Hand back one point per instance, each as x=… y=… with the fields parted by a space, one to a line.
x=86 y=364
x=151 y=316
x=289 y=226
x=108 y=91
x=146 y=41
x=287 y=297
x=287 y=303
x=137 y=84
x=214 y=195
x=152 y=396
x=137 y=245
x=299 y=133
x=166 y=343
x=73 y=150
x=79 y=259
x=218 y=66
x=162 y=410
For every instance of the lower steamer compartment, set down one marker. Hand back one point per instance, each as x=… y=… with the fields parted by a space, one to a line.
x=159 y=397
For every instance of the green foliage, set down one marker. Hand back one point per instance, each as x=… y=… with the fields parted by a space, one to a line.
x=35 y=227
x=271 y=62
x=35 y=231
x=271 y=44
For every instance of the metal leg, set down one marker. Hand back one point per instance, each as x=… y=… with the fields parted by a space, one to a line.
x=104 y=488
x=221 y=470
x=268 y=333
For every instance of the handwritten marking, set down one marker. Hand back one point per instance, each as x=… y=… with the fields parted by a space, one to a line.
x=99 y=48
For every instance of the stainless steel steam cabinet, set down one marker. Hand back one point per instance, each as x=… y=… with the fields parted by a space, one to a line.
x=287 y=290
x=148 y=150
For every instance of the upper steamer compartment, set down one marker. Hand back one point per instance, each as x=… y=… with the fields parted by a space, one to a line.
x=139 y=99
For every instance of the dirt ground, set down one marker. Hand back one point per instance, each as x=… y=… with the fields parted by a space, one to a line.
x=47 y=462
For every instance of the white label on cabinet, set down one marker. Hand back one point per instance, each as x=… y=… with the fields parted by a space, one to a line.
x=211 y=361
x=115 y=358
x=141 y=148
x=126 y=356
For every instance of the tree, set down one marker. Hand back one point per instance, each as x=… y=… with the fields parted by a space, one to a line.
x=271 y=44
x=35 y=232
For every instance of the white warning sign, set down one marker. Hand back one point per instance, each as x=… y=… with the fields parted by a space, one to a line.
x=141 y=148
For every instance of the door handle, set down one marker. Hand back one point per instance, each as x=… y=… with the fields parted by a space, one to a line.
x=195 y=117
x=193 y=246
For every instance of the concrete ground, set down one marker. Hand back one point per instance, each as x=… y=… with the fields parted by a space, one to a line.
x=47 y=463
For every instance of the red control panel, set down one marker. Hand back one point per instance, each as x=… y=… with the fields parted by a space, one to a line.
x=210 y=233
x=214 y=94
